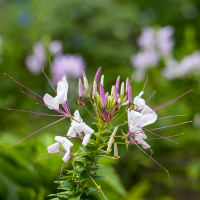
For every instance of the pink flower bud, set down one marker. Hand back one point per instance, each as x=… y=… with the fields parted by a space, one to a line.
x=97 y=75
x=80 y=88
x=127 y=84
x=129 y=95
x=102 y=96
x=117 y=83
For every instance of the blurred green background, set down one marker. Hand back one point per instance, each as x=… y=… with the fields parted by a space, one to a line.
x=105 y=33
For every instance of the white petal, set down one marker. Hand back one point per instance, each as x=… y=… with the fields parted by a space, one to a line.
x=71 y=133
x=67 y=156
x=78 y=128
x=125 y=103
x=54 y=148
x=77 y=117
x=87 y=129
x=86 y=139
x=139 y=102
x=50 y=102
x=133 y=118
x=64 y=141
x=62 y=90
x=144 y=144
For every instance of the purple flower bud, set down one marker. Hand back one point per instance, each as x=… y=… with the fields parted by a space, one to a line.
x=117 y=83
x=80 y=88
x=116 y=95
x=102 y=96
x=97 y=75
x=129 y=95
x=127 y=84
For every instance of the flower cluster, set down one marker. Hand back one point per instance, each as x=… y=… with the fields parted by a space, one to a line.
x=63 y=64
x=154 y=46
x=83 y=144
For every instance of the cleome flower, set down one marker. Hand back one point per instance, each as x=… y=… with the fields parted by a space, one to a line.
x=141 y=116
x=60 y=98
x=66 y=144
x=79 y=127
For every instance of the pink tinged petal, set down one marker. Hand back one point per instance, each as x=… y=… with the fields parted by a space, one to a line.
x=64 y=141
x=116 y=95
x=117 y=83
x=139 y=102
x=77 y=118
x=54 y=148
x=102 y=96
x=87 y=129
x=127 y=85
x=80 y=88
x=78 y=128
x=97 y=75
x=129 y=95
x=85 y=81
x=62 y=90
x=144 y=144
x=71 y=133
x=50 y=102
x=67 y=156
x=86 y=139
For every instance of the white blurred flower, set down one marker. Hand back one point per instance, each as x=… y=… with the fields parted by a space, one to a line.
x=164 y=40
x=55 y=47
x=35 y=62
x=147 y=39
x=69 y=65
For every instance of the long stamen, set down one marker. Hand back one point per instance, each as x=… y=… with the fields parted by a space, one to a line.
x=37 y=131
x=155 y=161
x=154 y=92
x=145 y=84
x=170 y=116
x=36 y=113
x=171 y=125
x=33 y=97
x=10 y=77
x=159 y=136
x=49 y=80
x=172 y=136
x=172 y=101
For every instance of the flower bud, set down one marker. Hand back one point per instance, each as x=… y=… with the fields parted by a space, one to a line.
x=111 y=140
x=116 y=155
x=127 y=84
x=117 y=83
x=122 y=89
x=96 y=78
x=94 y=89
x=102 y=80
x=102 y=96
x=129 y=95
x=80 y=88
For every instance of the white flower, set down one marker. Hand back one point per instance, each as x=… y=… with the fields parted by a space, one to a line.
x=60 y=98
x=140 y=118
x=78 y=127
x=54 y=148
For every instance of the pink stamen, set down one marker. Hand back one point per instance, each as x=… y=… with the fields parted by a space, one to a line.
x=170 y=116
x=172 y=101
x=49 y=80
x=171 y=125
x=145 y=84
x=36 y=113
x=172 y=136
x=155 y=161
x=154 y=92
x=37 y=131
x=23 y=85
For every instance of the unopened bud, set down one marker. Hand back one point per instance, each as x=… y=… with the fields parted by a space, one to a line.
x=102 y=80
x=122 y=89
x=111 y=140
x=116 y=155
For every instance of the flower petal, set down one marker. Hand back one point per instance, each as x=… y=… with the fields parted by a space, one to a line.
x=71 y=133
x=87 y=129
x=67 y=156
x=86 y=139
x=50 y=102
x=64 y=141
x=54 y=148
